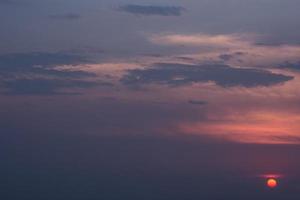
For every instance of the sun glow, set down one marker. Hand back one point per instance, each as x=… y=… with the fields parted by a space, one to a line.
x=271 y=183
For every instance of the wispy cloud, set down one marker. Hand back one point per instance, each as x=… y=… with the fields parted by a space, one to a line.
x=152 y=10
x=230 y=48
x=39 y=86
x=221 y=75
x=197 y=102
x=67 y=16
x=38 y=73
x=290 y=65
x=230 y=40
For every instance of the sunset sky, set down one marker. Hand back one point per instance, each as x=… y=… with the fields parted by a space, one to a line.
x=148 y=99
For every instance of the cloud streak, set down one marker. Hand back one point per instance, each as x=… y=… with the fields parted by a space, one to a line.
x=148 y=10
x=44 y=86
x=68 y=16
x=197 y=102
x=232 y=49
x=231 y=40
x=38 y=73
x=221 y=75
x=290 y=65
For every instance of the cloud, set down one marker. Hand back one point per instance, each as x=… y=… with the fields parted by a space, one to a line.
x=17 y=60
x=231 y=56
x=43 y=86
x=68 y=16
x=152 y=10
x=197 y=102
x=290 y=65
x=37 y=73
x=226 y=57
x=287 y=138
x=230 y=40
x=221 y=75
x=230 y=48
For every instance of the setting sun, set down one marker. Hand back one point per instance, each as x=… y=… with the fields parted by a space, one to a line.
x=271 y=183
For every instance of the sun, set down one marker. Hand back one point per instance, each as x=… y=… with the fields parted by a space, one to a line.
x=271 y=183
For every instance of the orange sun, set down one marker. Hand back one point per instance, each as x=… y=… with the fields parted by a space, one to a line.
x=271 y=183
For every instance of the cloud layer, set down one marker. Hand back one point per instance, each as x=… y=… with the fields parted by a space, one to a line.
x=152 y=10
x=37 y=73
x=221 y=75
x=67 y=16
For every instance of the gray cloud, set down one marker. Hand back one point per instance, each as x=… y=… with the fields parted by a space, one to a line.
x=227 y=57
x=152 y=10
x=197 y=102
x=290 y=65
x=35 y=73
x=68 y=16
x=287 y=138
x=43 y=86
x=19 y=60
x=221 y=75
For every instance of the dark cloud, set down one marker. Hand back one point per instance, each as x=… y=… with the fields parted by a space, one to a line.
x=68 y=16
x=35 y=73
x=45 y=86
x=226 y=57
x=152 y=10
x=222 y=75
x=290 y=65
x=197 y=102
x=287 y=138
x=19 y=60
x=184 y=58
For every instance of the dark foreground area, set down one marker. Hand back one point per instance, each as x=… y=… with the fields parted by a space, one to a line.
x=117 y=168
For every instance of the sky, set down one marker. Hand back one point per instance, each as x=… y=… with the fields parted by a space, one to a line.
x=148 y=99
